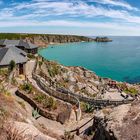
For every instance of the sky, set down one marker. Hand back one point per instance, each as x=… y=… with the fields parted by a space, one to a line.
x=79 y=17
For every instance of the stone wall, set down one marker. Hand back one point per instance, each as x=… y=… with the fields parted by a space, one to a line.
x=62 y=96
x=42 y=112
x=69 y=96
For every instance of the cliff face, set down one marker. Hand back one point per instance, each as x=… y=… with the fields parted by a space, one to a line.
x=102 y=39
x=122 y=122
x=45 y=39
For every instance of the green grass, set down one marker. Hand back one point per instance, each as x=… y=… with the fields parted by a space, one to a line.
x=54 y=70
x=131 y=91
x=26 y=87
x=23 y=36
x=85 y=107
x=39 y=98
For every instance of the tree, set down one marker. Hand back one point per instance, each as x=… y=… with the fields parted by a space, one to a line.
x=12 y=65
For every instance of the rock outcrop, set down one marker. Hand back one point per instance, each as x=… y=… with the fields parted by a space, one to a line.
x=45 y=39
x=102 y=39
x=122 y=123
x=80 y=81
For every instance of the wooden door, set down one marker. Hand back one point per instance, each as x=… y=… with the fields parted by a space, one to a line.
x=21 y=69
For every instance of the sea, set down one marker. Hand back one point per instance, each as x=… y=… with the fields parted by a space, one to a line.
x=118 y=60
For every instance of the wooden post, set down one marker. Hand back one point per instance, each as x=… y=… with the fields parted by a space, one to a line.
x=77 y=132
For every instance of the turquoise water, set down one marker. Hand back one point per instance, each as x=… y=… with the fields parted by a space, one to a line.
x=119 y=60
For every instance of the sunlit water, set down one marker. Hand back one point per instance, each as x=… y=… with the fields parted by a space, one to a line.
x=119 y=60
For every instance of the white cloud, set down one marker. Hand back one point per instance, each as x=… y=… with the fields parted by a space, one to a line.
x=37 y=13
x=64 y=23
x=115 y=3
x=44 y=8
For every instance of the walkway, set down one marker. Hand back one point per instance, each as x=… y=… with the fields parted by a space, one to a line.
x=50 y=125
x=71 y=126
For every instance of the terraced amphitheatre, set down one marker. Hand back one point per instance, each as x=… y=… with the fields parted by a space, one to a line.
x=60 y=102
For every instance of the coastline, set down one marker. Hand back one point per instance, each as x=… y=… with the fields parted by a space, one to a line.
x=92 y=46
x=52 y=43
x=81 y=67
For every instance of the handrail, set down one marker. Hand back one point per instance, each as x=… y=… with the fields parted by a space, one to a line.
x=96 y=102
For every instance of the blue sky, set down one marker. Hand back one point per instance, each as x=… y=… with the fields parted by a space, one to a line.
x=81 y=17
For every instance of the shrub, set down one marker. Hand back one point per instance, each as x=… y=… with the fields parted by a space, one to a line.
x=50 y=103
x=86 y=107
x=27 y=87
x=89 y=108
x=35 y=114
x=12 y=65
x=133 y=91
x=40 y=97
x=14 y=81
x=31 y=56
x=3 y=72
x=14 y=134
x=53 y=70
x=40 y=63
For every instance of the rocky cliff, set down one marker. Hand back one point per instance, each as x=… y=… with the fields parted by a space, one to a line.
x=45 y=39
x=102 y=39
x=122 y=123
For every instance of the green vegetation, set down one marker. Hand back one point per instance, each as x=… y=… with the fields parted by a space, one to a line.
x=122 y=86
x=4 y=72
x=11 y=36
x=87 y=108
x=40 y=63
x=26 y=87
x=54 y=70
x=40 y=97
x=47 y=102
x=35 y=114
x=31 y=56
x=12 y=65
x=4 y=91
x=3 y=112
x=23 y=36
x=22 y=104
x=50 y=103
x=14 y=81
x=16 y=35
x=132 y=91
x=8 y=94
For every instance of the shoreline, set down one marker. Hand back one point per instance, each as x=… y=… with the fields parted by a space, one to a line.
x=137 y=83
x=82 y=67
x=48 y=45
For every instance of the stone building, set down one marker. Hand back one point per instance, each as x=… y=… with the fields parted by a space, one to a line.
x=7 y=54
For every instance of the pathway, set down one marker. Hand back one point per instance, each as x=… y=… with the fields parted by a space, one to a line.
x=49 y=124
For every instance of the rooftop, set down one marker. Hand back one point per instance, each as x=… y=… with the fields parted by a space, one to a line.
x=12 y=53
x=21 y=43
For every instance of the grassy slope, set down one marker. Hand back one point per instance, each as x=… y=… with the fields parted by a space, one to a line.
x=24 y=35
